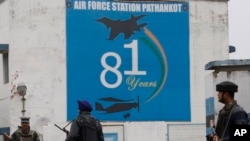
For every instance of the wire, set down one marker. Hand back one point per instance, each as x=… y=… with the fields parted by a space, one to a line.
x=1 y=99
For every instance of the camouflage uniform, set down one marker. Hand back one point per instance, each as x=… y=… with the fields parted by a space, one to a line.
x=30 y=136
x=23 y=133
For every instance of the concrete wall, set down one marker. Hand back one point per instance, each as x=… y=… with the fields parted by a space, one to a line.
x=4 y=21
x=4 y=87
x=208 y=41
x=37 y=57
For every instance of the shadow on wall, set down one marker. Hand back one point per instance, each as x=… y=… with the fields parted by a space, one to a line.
x=1 y=1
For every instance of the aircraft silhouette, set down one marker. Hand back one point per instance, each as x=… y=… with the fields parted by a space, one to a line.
x=121 y=105
x=127 y=26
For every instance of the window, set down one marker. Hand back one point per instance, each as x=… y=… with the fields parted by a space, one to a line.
x=4 y=50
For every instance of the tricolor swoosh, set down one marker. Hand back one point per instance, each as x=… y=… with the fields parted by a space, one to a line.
x=162 y=59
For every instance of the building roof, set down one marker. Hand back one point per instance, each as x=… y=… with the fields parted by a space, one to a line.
x=231 y=64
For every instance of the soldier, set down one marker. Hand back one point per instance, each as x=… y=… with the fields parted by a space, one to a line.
x=85 y=127
x=231 y=113
x=23 y=133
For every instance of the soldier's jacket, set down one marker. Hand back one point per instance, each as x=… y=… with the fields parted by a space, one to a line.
x=85 y=128
x=19 y=136
x=238 y=117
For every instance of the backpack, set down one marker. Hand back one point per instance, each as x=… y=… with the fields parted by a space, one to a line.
x=88 y=129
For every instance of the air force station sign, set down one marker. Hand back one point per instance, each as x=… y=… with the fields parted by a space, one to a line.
x=130 y=60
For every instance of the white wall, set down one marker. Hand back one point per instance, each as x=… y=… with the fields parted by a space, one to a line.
x=208 y=41
x=4 y=88
x=38 y=58
x=4 y=22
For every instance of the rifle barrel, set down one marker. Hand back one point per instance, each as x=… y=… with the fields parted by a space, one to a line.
x=58 y=126
x=63 y=129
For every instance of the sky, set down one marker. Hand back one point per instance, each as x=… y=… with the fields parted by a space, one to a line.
x=239 y=28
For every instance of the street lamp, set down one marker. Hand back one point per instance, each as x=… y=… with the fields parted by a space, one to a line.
x=21 y=90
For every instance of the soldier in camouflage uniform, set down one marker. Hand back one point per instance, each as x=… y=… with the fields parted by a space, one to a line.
x=23 y=133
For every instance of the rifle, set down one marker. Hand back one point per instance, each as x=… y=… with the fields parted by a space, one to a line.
x=212 y=126
x=63 y=129
x=212 y=136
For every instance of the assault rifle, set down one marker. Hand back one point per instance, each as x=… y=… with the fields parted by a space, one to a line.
x=211 y=136
x=64 y=128
x=212 y=126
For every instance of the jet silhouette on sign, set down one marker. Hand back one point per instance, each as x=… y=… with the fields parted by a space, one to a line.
x=127 y=26
x=118 y=105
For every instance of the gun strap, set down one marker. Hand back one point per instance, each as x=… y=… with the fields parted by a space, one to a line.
x=222 y=136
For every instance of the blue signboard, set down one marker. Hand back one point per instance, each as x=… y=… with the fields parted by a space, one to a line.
x=110 y=136
x=130 y=60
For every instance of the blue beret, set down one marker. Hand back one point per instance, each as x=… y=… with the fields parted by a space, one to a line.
x=84 y=106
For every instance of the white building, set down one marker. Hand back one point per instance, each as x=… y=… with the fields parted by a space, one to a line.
x=33 y=33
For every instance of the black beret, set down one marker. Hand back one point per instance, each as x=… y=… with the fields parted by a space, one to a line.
x=227 y=86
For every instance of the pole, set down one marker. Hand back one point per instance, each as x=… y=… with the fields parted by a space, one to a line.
x=23 y=111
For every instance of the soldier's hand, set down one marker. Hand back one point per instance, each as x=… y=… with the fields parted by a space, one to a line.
x=216 y=138
x=7 y=137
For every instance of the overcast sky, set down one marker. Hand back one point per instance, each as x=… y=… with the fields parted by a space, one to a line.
x=239 y=28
